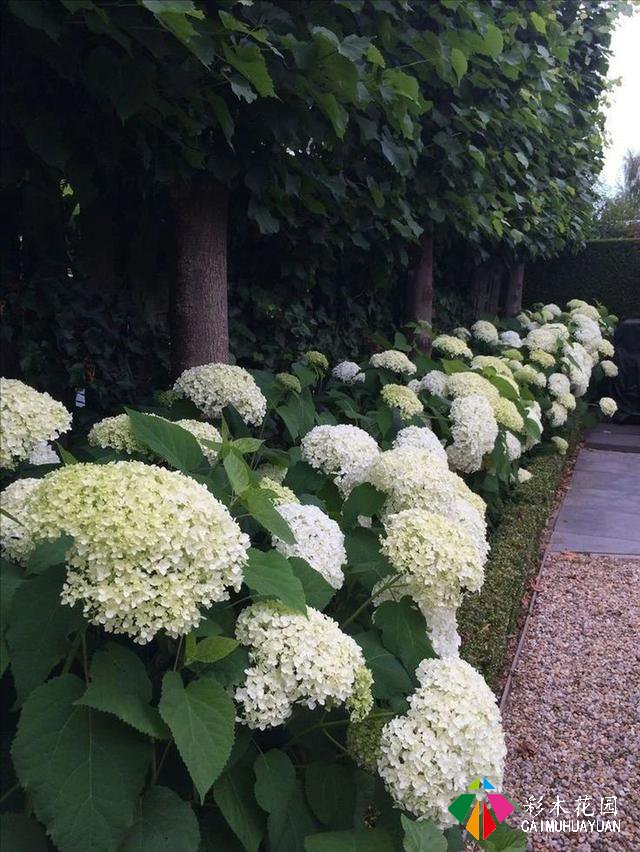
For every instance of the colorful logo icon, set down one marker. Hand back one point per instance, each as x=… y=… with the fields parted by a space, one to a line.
x=481 y=822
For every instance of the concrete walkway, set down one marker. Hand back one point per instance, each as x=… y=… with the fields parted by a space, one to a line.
x=601 y=511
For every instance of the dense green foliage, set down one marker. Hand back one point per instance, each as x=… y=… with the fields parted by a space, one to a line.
x=605 y=270
x=489 y=621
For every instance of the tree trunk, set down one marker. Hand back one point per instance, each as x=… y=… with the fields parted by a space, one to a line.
x=421 y=292
x=513 y=298
x=100 y=250
x=487 y=281
x=198 y=284
x=142 y=270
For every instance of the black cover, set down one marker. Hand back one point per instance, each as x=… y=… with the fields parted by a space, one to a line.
x=627 y=357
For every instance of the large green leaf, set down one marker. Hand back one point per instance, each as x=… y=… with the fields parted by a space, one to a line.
x=317 y=591
x=83 y=770
x=360 y=840
x=364 y=500
x=238 y=472
x=270 y=574
x=261 y=508
x=278 y=792
x=275 y=779
x=404 y=632
x=505 y=839
x=120 y=685
x=234 y=795
x=249 y=61
x=493 y=42
x=389 y=677
x=211 y=649
x=48 y=553
x=422 y=836
x=38 y=629
x=164 y=823
x=202 y=719
x=170 y=441
x=365 y=562
x=331 y=792
x=459 y=63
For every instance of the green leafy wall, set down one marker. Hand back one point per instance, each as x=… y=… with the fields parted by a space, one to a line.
x=606 y=270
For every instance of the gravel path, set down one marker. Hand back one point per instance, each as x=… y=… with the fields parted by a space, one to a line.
x=573 y=717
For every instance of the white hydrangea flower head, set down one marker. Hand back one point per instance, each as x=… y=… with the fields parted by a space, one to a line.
x=442 y=630
x=43 y=453
x=451 y=734
x=318 y=539
x=605 y=348
x=485 y=331
x=558 y=384
x=463 y=384
x=403 y=398
x=577 y=364
x=501 y=367
x=289 y=382
x=27 y=418
x=608 y=406
x=586 y=310
x=542 y=338
x=392 y=359
x=524 y=475
x=117 y=434
x=16 y=539
x=507 y=415
x=344 y=452
x=462 y=333
x=434 y=382
x=298 y=659
x=434 y=556
x=513 y=355
x=451 y=347
x=553 y=309
x=423 y=438
x=348 y=372
x=211 y=387
x=572 y=304
x=278 y=492
x=557 y=414
x=528 y=375
x=609 y=369
x=544 y=359
x=560 y=444
x=474 y=431
x=511 y=338
x=151 y=546
x=568 y=400
x=587 y=332
x=514 y=446
x=526 y=322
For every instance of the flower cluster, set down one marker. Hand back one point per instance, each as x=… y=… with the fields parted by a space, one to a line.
x=485 y=331
x=608 y=406
x=289 y=382
x=27 y=418
x=344 y=452
x=558 y=384
x=393 y=360
x=16 y=537
x=434 y=557
x=451 y=347
x=557 y=414
x=434 y=382
x=542 y=338
x=402 y=398
x=279 y=493
x=151 y=546
x=544 y=359
x=451 y=734
x=214 y=386
x=318 y=539
x=43 y=453
x=528 y=375
x=507 y=415
x=577 y=364
x=317 y=360
x=474 y=431
x=348 y=372
x=560 y=444
x=423 y=438
x=511 y=338
x=298 y=659
x=609 y=369
x=501 y=367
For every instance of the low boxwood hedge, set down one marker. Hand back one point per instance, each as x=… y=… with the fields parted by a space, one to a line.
x=489 y=620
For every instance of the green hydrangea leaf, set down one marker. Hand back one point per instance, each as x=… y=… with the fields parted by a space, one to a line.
x=164 y=823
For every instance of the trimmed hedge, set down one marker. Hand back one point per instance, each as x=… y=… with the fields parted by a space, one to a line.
x=489 y=620
x=605 y=270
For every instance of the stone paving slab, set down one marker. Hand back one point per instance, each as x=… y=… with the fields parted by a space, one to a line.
x=618 y=437
x=601 y=510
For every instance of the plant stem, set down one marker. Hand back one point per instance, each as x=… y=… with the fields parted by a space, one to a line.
x=73 y=650
x=9 y=792
x=383 y=714
x=175 y=662
x=355 y=614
